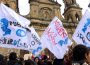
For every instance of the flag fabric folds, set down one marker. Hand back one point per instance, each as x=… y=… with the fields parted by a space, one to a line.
x=6 y=12
x=15 y=32
x=82 y=32
x=12 y=31
x=55 y=38
x=35 y=44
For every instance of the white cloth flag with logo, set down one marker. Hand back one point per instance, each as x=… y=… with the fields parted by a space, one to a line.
x=6 y=12
x=35 y=46
x=12 y=31
x=55 y=38
x=82 y=32
x=14 y=34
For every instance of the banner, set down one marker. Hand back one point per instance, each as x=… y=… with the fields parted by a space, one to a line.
x=12 y=31
x=15 y=33
x=55 y=38
x=8 y=13
x=24 y=7
x=12 y=36
x=82 y=32
x=35 y=46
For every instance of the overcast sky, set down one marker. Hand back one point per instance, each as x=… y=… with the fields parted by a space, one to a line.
x=83 y=4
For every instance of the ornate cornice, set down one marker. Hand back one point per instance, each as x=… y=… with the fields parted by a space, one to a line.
x=42 y=19
x=74 y=7
x=53 y=3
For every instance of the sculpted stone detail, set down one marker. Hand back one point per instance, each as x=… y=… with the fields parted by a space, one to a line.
x=73 y=1
x=69 y=2
x=72 y=13
x=10 y=3
x=74 y=16
x=45 y=13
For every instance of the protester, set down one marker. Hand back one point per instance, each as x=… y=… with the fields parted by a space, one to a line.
x=68 y=56
x=13 y=59
x=58 y=62
x=67 y=59
x=78 y=57
x=44 y=60
x=37 y=60
x=49 y=62
x=87 y=56
x=21 y=61
x=30 y=62
x=2 y=61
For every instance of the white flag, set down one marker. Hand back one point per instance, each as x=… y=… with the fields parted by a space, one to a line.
x=14 y=35
x=12 y=31
x=35 y=46
x=55 y=38
x=24 y=7
x=82 y=32
x=6 y=12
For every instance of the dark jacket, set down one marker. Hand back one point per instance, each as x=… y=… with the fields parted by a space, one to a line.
x=58 y=62
x=13 y=62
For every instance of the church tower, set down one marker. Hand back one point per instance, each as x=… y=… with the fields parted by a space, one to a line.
x=72 y=14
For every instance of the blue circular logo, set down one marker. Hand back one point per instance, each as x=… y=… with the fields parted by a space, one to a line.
x=88 y=36
x=21 y=33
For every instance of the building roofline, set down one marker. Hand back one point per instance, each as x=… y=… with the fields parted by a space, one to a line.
x=53 y=2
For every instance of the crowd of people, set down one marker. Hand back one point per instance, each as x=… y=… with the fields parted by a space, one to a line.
x=77 y=55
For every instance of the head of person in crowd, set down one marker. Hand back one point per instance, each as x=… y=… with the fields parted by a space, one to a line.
x=13 y=59
x=12 y=56
x=49 y=63
x=58 y=62
x=78 y=54
x=44 y=57
x=44 y=60
x=36 y=59
x=68 y=56
x=29 y=62
x=87 y=55
x=1 y=57
x=67 y=59
x=2 y=61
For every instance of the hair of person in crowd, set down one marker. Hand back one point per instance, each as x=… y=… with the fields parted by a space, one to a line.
x=87 y=55
x=68 y=56
x=78 y=53
x=2 y=61
x=58 y=62
x=36 y=59
x=12 y=56
x=29 y=62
